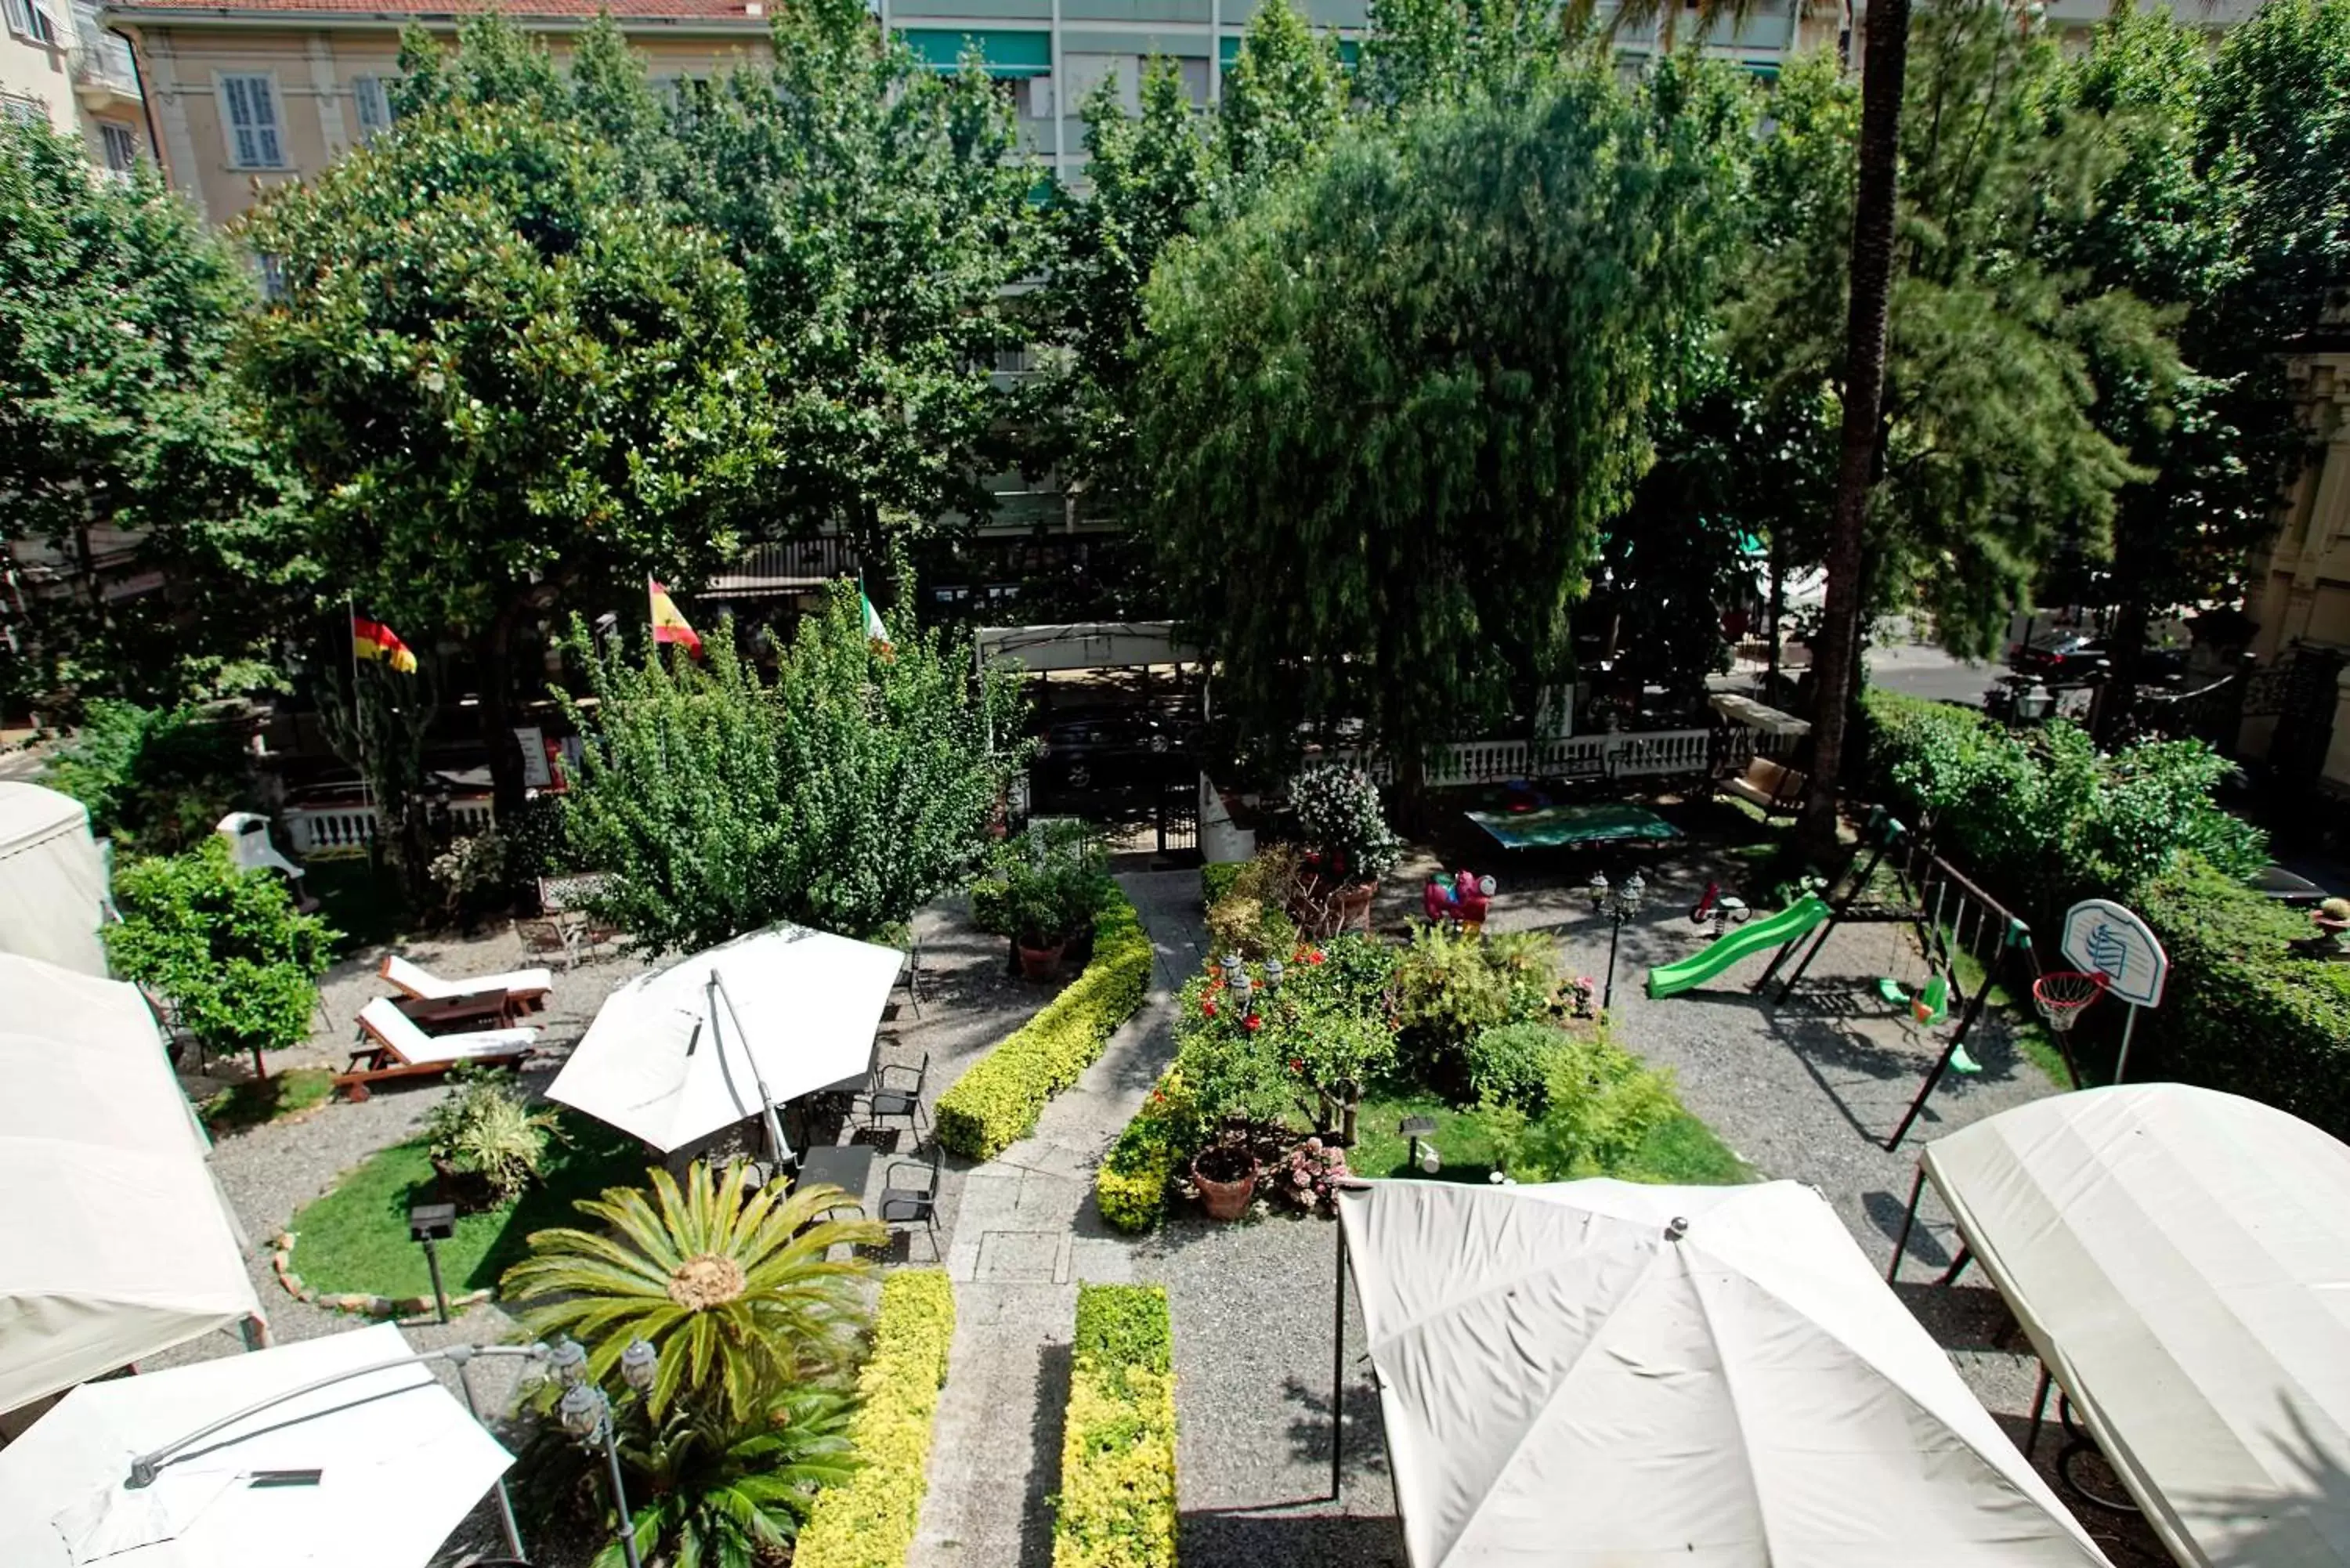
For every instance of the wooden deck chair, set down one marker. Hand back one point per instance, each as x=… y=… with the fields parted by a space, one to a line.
x=396 y=1048
x=430 y=999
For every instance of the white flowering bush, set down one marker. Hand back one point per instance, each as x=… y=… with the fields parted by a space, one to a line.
x=1348 y=838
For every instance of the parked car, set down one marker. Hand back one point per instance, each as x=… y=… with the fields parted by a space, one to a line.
x=2070 y=657
x=1085 y=753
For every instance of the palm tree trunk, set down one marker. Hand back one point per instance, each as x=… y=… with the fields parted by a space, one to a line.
x=1885 y=62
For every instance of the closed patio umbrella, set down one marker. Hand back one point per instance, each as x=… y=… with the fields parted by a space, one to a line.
x=672 y=1057
x=1598 y=1372
x=372 y=1473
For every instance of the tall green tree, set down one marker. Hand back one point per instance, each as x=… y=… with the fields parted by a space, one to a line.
x=510 y=383
x=124 y=453
x=1283 y=98
x=1149 y=174
x=1426 y=52
x=1387 y=408
x=880 y=211
x=2217 y=440
x=845 y=797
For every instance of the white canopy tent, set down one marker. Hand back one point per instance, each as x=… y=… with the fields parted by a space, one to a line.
x=669 y=1060
x=117 y=1242
x=2180 y=1258
x=52 y=879
x=1599 y=1372
x=398 y=1465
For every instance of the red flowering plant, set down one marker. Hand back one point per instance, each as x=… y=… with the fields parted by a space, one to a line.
x=1309 y=1178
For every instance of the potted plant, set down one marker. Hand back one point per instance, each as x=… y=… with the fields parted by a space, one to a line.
x=1348 y=847
x=1225 y=1173
x=1044 y=898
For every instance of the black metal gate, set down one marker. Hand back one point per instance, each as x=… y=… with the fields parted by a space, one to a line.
x=2299 y=689
x=1178 y=812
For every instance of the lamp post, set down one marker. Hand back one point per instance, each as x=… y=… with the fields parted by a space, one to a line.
x=586 y=1413
x=1616 y=905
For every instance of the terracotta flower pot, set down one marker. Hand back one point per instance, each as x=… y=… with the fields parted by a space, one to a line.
x=1324 y=909
x=1225 y=1200
x=1041 y=963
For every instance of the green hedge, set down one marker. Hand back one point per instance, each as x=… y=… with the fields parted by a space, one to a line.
x=997 y=1103
x=1117 y=1507
x=1217 y=879
x=1131 y=1186
x=2241 y=1013
x=868 y=1521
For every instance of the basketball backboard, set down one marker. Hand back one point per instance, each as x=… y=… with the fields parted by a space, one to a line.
x=2103 y=937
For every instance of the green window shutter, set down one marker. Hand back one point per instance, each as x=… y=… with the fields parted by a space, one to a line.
x=1350 y=52
x=1008 y=53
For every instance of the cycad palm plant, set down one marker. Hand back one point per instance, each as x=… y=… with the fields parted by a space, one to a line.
x=733 y=1289
x=717 y=1492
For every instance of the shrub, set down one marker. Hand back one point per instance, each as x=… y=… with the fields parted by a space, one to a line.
x=1600 y=1104
x=1216 y=879
x=1252 y=917
x=869 y=1522
x=1347 y=836
x=1509 y=1065
x=484 y=1128
x=1048 y=888
x=156 y=779
x=1116 y=1506
x=1451 y=989
x=227 y=947
x=997 y=1102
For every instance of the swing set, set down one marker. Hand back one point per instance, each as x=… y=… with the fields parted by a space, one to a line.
x=1949 y=915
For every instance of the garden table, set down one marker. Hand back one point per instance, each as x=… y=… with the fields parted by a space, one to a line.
x=847 y=1166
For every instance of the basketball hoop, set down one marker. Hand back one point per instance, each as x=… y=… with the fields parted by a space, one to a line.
x=2063 y=996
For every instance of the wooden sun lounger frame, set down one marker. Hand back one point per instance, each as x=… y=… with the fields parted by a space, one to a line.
x=502 y=1003
x=381 y=1061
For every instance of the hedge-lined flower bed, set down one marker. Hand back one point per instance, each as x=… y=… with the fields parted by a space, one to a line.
x=2043 y=821
x=996 y=1103
x=1118 y=1458
x=868 y=1521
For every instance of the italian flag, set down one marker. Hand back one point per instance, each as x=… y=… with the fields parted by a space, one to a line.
x=668 y=622
x=875 y=632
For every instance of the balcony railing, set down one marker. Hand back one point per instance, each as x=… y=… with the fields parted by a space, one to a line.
x=100 y=60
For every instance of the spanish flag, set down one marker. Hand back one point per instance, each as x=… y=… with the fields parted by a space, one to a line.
x=373 y=640
x=669 y=624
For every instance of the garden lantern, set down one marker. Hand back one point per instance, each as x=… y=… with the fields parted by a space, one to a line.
x=430 y=1224
x=587 y=1414
x=638 y=1366
x=1616 y=905
x=1235 y=969
x=1244 y=992
x=1272 y=973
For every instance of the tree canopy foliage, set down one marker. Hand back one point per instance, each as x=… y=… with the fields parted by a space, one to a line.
x=123 y=451
x=1386 y=415
x=855 y=788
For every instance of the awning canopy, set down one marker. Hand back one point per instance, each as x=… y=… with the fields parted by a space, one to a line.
x=52 y=879
x=661 y=1062
x=1565 y=1380
x=2180 y=1258
x=397 y=1463
x=1006 y=51
x=117 y=1244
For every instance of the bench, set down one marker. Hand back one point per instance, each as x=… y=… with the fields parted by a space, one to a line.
x=1776 y=789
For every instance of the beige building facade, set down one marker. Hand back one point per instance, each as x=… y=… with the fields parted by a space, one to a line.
x=246 y=97
x=58 y=63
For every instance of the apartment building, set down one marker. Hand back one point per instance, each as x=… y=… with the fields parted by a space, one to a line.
x=59 y=63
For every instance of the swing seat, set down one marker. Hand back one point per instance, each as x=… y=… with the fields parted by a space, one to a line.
x=1895 y=993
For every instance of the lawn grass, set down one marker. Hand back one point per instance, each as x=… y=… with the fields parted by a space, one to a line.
x=355 y=1239
x=259 y=1100
x=1682 y=1151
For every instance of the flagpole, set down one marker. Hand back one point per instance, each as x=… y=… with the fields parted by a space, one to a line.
x=358 y=720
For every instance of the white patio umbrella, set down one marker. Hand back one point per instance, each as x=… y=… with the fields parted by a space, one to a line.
x=373 y=1472
x=676 y=1055
x=117 y=1244
x=1599 y=1372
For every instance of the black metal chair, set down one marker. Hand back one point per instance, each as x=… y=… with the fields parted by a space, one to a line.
x=883 y=1099
x=909 y=1204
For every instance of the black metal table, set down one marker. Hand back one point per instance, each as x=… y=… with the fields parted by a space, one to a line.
x=847 y=1166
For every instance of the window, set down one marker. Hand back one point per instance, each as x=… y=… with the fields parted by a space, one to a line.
x=121 y=145
x=23 y=110
x=27 y=20
x=273 y=277
x=249 y=121
x=374 y=104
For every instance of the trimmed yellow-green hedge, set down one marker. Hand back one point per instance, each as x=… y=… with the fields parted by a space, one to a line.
x=1131 y=1186
x=996 y=1103
x=868 y=1521
x=1116 y=1506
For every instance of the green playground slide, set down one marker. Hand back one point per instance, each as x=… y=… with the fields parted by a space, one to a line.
x=1672 y=978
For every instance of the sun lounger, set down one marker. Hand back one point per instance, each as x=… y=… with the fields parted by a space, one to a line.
x=397 y=1048
x=431 y=999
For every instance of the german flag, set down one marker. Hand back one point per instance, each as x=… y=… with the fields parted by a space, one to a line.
x=373 y=640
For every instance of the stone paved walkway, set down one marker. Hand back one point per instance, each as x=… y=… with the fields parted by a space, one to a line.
x=1025 y=1234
